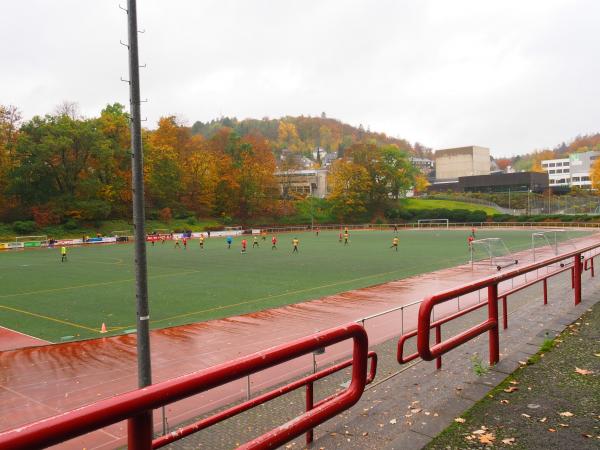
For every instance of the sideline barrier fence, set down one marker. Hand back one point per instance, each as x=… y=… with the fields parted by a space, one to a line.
x=491 y=325
x=324 y=227
x=137 y=406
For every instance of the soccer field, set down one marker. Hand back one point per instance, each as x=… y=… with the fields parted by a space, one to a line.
x=45 y=298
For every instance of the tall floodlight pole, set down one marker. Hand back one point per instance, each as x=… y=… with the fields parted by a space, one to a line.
x=137 y=185
x=139 y=427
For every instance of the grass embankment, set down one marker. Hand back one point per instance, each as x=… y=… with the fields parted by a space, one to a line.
x=418 y=203
x=105 y=228
x=551 y=402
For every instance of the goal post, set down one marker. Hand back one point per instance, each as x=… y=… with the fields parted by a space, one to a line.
x=121 y=233
x=433 y=223
x=491 y=252
x=556 y=240
x=161 y=231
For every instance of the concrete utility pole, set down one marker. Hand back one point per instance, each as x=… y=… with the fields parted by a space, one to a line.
x=139 y=219
x=139 y=427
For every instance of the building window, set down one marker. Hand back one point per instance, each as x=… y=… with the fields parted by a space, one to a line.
x=552 y=171
x=552 y=164
x=575 y=179
x=585 y=178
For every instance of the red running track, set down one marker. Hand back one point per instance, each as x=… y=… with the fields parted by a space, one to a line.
x=38 y=382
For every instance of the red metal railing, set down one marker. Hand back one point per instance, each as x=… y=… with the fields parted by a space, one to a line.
x=136 y=406
x=307 y=381
x=425 y=324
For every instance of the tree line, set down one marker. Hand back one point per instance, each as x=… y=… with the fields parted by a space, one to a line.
x=66 y=168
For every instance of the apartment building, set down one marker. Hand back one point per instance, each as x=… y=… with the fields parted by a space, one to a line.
x=573 y=171
x=558 y=170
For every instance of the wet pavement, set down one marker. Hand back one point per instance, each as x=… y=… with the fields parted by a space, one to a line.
x=41 y=381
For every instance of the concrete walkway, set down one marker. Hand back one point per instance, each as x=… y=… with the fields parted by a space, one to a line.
x=408 y=410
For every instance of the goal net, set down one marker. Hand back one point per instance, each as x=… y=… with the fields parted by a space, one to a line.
x=232 y=228
x=491 y=252
x=433 y=223
x=161 y=231
x=32 y=241
x=121 y=233
x=546 y=243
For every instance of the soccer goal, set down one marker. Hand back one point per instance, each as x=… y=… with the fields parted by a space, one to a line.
x=121 y=233
x=491 y=252
x=433 y=223
x=556 y=241
x=32 y=239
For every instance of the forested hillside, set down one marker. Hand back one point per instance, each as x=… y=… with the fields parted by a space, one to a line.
x=66 y=169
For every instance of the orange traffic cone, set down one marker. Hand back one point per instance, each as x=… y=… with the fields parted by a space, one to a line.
x=103 y=329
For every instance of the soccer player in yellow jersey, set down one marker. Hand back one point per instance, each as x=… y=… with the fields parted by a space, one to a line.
x=255 y=242
x=201 y=239
x=295 y=243
x=346 y=236
x=395 y=243
x=63 y=254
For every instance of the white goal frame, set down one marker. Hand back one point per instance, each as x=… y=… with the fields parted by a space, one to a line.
x=433 y=223
x=40 y=238
x=161 y=231
x=500 y=261
x=551 y=242
x=121 y=233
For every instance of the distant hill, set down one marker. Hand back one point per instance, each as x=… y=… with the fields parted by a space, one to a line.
x=304 y=134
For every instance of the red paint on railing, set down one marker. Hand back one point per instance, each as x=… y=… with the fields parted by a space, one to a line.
x=263 y=398
x=428 y=352
x=136 y=406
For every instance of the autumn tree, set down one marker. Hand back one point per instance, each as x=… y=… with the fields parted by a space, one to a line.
x=10 y=117
x=200 y=177
x=349 y=183
x=595 y=175
x=163 y=165
x=287 y=136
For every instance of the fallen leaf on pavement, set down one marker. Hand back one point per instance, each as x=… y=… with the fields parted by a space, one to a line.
x=583 y=371
x=511 y=389
x=551 y=430
x=543 y=419
x=393 y=421
x=564 y=425
x=508 y=441
x=504 y=402
x=478 y=432
x=460 y=420
x=526 y=415
x=566 y=414
x=487 y=438
x=513 y=382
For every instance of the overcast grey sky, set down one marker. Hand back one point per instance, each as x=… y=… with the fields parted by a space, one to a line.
x=510 y=75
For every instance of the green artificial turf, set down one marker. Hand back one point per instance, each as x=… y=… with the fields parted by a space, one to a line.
x=48 y=299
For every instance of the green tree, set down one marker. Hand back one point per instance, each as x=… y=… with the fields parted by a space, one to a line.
x=59 y=157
